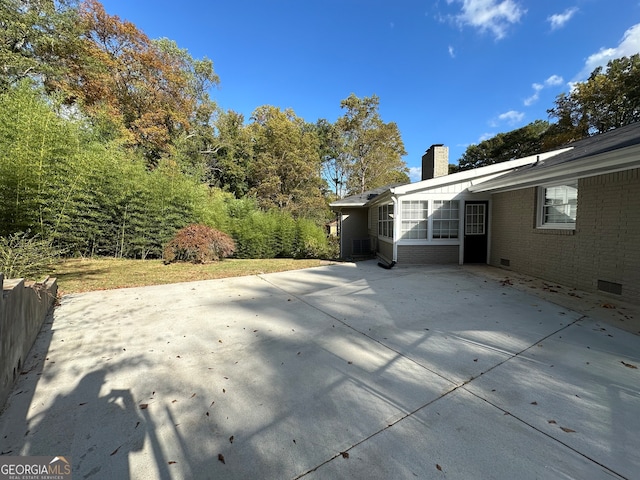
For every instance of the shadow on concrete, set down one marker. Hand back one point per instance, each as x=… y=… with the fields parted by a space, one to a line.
x=281 y=375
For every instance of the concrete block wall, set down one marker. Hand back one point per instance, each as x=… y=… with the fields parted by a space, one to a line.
x=23 y=309
x=604 y=247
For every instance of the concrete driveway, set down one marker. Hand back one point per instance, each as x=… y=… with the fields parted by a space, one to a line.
x=345 y=371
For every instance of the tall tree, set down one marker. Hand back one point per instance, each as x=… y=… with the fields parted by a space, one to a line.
x=334 y=157
x=373 y=149
x=610 y=98
x=32 y=35
x=518 y=143
x=285 y=172
x=230 y=156
x=150 y=90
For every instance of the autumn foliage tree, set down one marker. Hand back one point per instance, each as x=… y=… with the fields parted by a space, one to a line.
x=147 y=91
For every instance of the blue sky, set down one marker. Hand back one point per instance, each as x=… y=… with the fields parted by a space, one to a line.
x=446 y=71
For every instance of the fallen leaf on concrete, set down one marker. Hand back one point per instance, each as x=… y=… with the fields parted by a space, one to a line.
x=628 y=365
x=568 y=430
x=231 y=439
x=608 y=305
x=534 y=403
x=438 y=467
x=552 y=421
x=193 y=395
x=144 y=406
x=115 y=451
x=344 y=454
x=221 y=458
x=171 y=462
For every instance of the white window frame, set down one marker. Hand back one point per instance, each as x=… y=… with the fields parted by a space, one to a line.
x=408 y=222
x=446 y=206
x=567 y=206
x=385 y=221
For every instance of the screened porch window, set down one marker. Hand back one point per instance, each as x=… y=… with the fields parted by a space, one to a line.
x=414 y=219
x=446 y=218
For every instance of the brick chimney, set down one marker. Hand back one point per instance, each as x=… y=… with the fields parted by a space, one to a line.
x=435 y=162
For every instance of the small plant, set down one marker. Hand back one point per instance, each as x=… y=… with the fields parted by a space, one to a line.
x=25 y=256
x=198 y=244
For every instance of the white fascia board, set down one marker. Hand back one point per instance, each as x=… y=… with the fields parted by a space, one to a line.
x=609 y=162
x=338 y=203
x=476 y=173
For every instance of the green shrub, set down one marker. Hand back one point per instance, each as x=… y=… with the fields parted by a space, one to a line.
x=25 y=256
x=198 y=244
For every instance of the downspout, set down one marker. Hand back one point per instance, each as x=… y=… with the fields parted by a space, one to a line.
x=396 y=228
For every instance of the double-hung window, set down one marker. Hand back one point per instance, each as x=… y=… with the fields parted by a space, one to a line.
x=385 y=220
x=415 y=216
x=558 y=206
x=446 y=218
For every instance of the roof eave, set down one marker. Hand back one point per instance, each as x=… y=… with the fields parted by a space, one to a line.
x=609 y=162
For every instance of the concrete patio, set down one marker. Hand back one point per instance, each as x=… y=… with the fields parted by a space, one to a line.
x=344 y=371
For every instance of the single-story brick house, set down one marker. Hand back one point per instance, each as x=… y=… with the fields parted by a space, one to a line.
x=570 y=216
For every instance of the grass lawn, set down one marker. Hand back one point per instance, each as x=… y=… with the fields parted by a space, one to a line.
x=88 y=274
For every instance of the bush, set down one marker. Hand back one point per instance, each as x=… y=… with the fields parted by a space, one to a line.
x=24 y=256
x=198 y=244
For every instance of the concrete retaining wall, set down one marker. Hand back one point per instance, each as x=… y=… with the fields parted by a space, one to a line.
x=23 y=308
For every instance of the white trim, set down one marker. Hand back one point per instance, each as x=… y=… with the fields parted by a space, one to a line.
x=478 y=174
x=540 y=204
x=609 y=162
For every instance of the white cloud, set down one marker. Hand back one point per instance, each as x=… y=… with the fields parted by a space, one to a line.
x=486 y=136
x=536 y=94
x=494 y=16
x=511 y=117
x=629 y=45
x=415 y=174
x=559 y=20
x=552 y=81
x=452 y=53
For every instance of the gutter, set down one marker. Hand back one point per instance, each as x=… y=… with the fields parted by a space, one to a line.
x=609 y=162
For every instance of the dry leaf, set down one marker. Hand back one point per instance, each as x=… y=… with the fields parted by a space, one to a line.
x=568 y=430
x=144 y=406
x=552 y=421
x=628 y=365
x=534 y=403
x=608 y=305
x=193 y=395
x=438 y=467
x=231 y=439
x=171 y=462
x=344 y=454
x=221 y=458
x=115 y=451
